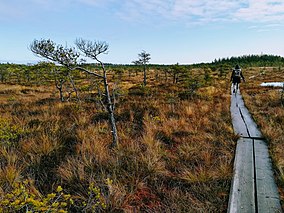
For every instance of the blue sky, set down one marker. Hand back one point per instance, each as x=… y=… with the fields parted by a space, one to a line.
x=172 y=31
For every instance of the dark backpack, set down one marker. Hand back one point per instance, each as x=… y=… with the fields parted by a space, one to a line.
x=237 y=72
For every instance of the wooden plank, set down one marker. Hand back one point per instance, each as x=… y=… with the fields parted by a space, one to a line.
x=238 y=125
x=245 y=115
x=240 y=100
x=267 y=193
x=250 y=124
x=237 y=120
x=242 y=196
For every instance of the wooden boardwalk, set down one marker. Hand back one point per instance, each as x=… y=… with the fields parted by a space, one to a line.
x=253 y=187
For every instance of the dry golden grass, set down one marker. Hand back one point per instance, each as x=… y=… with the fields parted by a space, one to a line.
x=265 y=105
x=174 y=155
x=17 y=93
x=11 y=167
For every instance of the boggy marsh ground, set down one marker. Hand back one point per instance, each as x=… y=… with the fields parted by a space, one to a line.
x=175 y=151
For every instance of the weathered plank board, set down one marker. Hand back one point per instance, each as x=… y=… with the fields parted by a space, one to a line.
x=237 y=120
x=242 y=197
x=250 y=124
x=248 y=121
x=267 y=192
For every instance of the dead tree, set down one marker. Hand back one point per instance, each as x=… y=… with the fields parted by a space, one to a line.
x=93 y=50
x=143 y=59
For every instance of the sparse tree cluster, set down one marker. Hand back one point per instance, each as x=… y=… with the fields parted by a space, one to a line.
x=68 y=57
x=176 y=71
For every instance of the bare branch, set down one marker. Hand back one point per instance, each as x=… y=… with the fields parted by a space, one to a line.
x=92 y=49
x=89 y=72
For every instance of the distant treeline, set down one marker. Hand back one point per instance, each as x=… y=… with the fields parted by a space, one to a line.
x=245 y=60
x=263 y=60
x=251 y=60
x=43 y=70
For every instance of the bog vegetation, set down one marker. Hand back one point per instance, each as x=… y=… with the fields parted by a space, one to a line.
x=175 y=145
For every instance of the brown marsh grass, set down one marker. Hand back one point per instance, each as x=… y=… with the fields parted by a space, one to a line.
x=174 y=155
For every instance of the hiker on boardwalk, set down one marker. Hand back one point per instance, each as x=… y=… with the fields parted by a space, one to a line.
x=236 y=77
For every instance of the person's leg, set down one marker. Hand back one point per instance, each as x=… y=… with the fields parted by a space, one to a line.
x=234 y=87
x=238 y=83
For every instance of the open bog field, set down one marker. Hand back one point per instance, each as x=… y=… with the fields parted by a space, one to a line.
x=175 y=151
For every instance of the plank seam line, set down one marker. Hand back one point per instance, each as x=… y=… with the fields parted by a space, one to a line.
x=253 y=138
x=242 y=116
x=255 y=182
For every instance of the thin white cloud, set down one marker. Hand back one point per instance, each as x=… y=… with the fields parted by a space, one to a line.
x=265 y=27
x=211 y=10
x=138 y=9
x=96 y=3
x=203 y=11
x=203 y=8
x=195 y=11
x=262 y=11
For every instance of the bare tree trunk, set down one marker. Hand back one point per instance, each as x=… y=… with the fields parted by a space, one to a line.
x=59 y=86
x=73 y=85
x=61 y=94
x=110 y=110
x=114 y=100
x=100 y=98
